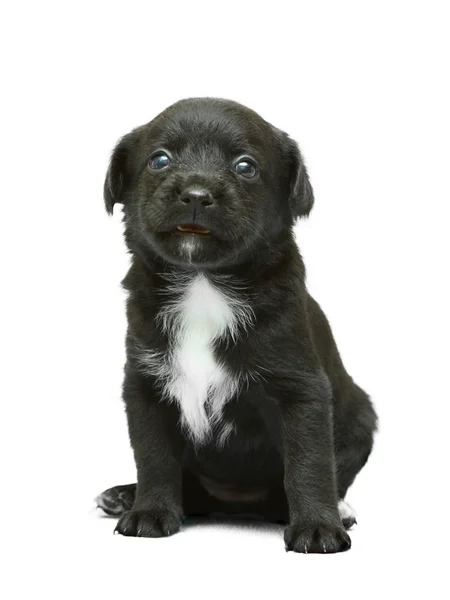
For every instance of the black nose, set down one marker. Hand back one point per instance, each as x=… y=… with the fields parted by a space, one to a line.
x=199 y=198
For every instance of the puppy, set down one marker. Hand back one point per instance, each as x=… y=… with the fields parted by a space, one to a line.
x=236 y=397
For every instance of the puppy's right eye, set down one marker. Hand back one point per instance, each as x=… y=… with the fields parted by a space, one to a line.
x=246 y=168
x=159 y=161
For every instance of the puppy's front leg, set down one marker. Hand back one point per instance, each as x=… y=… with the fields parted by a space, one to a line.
x=310 y=478
x=157 y=509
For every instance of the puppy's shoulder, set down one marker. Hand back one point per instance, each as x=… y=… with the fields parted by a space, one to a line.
x=138 y=278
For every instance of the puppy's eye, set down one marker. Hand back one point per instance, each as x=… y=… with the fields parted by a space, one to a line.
x=159 y=161
x=245 y=168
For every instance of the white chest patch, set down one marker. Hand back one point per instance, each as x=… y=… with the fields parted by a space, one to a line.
x=190 y=373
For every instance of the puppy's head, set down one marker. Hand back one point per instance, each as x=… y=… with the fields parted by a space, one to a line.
x=207 y=183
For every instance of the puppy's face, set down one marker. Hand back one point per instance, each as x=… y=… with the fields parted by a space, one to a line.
x=207 y=183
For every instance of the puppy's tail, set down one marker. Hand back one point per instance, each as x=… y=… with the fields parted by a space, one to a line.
x=117 y=500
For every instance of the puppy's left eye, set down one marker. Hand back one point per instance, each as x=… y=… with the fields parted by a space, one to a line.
x=159 y=161
x=245 y=168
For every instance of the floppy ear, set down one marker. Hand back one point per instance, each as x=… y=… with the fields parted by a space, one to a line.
x=301 y=196
x=118 y=176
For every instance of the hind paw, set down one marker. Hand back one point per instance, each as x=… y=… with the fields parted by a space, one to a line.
x=347 y=514
x=117 y=500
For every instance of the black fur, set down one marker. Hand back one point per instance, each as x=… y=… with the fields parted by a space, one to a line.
x=304 y=429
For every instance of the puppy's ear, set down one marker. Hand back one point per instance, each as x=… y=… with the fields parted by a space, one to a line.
x=301 y=196
x=118 y=176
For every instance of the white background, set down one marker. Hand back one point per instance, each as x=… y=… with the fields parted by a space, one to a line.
x=363 y=87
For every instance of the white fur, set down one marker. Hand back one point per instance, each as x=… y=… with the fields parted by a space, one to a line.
x=201 y=314
x=115 y=510
x=226 y=430
x=345 y=510
x=188 y=246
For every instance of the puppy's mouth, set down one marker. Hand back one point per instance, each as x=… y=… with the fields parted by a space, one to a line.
x=191 y=228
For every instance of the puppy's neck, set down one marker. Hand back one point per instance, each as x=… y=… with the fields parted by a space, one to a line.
x=254 y=267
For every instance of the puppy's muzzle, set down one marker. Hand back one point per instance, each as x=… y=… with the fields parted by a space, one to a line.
x=199 y=200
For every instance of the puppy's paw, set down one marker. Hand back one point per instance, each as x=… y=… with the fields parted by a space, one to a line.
x=347 y=514
x=154 y=523
x=117 y=500
x=318 y=539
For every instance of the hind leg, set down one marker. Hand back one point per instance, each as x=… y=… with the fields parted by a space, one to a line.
x=349 y=462
x=353 y=445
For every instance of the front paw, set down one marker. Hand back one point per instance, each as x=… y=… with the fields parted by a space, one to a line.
x=154 y=523
x=319 y=539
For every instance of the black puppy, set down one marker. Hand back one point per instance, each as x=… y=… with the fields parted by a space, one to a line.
x=236 y=396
